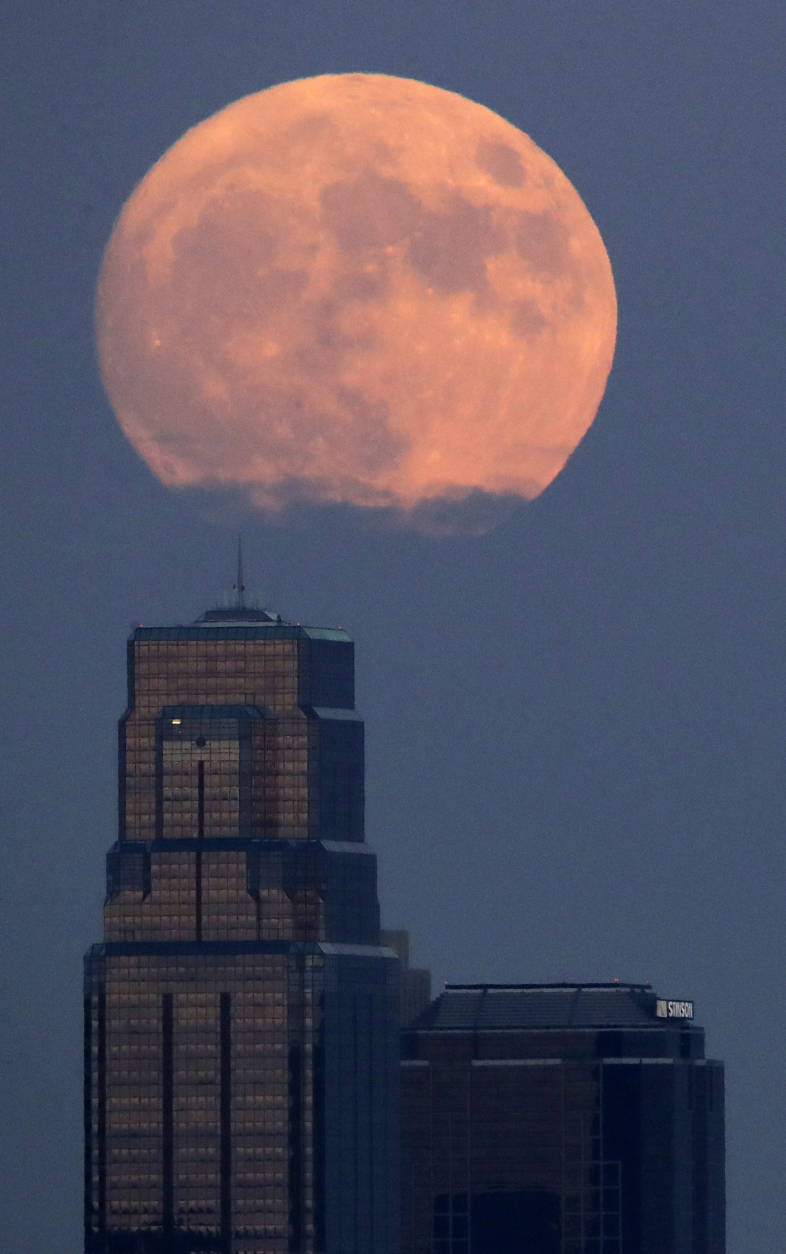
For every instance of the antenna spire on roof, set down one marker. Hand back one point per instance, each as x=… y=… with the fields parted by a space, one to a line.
x=240 y=587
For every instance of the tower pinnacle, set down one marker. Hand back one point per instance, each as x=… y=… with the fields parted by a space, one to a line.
x=240 y=587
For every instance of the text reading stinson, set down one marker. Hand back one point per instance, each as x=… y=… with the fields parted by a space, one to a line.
x=674 y=1009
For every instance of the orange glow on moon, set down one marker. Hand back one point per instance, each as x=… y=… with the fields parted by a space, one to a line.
x=356 y=288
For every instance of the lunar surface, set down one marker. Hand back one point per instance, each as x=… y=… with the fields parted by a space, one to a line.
x=356 y=288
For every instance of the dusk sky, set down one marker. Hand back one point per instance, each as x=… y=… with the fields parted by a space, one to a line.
x=574 y=722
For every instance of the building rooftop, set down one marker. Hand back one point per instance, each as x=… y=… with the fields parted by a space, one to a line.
x=472 y=1007
x=239 y=615
x=240 y=622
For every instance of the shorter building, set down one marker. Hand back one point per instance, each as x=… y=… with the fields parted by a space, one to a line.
x=414 y=982
x=560 y=1119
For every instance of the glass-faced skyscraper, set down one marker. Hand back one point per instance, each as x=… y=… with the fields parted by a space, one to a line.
x=241 y=1046
x=560 y=1119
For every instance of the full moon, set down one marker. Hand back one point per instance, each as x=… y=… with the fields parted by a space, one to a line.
x=360 y=289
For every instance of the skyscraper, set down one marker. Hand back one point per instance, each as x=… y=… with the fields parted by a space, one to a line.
x=241 y=1044
x=560 y=1119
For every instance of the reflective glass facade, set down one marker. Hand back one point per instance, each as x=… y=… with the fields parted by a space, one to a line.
x=559 y=1119
x=241 y=1017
